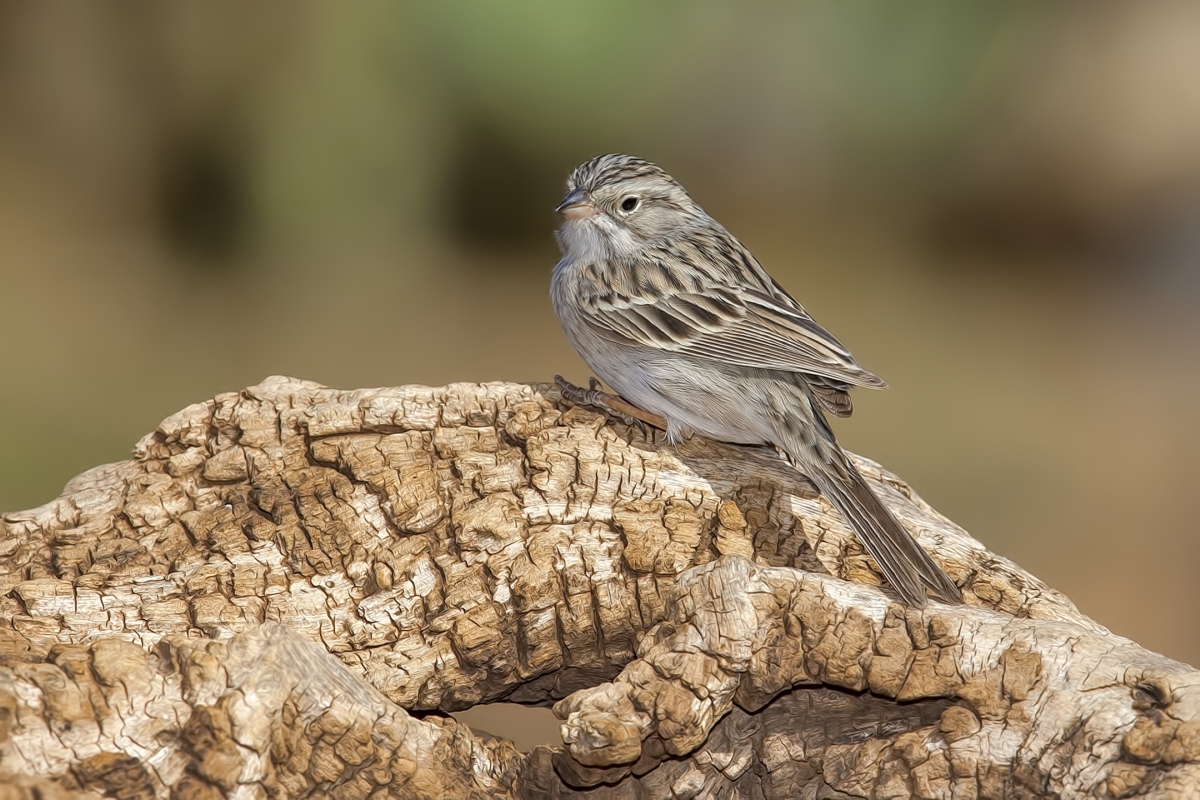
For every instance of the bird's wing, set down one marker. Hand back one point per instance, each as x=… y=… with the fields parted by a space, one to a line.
x=728 y=323
x=833 y=396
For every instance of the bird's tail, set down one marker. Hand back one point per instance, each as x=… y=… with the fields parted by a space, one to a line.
x=904 y=563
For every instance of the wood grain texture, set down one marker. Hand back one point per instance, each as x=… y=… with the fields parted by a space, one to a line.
x=286 y=588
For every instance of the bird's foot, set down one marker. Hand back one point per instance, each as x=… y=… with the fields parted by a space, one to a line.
x=610 y=404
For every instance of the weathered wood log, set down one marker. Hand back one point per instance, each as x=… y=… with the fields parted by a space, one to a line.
x=287 y=587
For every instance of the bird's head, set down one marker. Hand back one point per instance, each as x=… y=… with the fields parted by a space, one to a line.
x=617 y=204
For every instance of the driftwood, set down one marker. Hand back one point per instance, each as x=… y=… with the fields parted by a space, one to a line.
x=286 y=588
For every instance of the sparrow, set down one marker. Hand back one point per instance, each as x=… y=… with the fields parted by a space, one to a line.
x=674 y=314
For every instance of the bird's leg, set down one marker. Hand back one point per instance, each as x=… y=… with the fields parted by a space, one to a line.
x=611 y=404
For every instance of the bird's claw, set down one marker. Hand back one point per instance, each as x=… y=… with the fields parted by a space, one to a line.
x=577 y=395
x=609 y=404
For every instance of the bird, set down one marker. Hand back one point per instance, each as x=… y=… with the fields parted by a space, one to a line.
x=680 y=320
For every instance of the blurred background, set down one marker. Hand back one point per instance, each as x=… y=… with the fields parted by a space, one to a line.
x=996 y=205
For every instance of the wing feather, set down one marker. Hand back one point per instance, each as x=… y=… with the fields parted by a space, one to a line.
x=706 y=296
x=755 y=332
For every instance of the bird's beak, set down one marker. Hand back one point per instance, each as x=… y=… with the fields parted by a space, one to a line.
x=577 y=205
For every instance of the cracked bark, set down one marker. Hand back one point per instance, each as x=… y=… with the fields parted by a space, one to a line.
x=286 y=588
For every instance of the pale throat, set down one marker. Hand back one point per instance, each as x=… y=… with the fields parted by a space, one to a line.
x=597 y=239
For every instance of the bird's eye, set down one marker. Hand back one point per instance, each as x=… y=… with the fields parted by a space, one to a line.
x=629 y=204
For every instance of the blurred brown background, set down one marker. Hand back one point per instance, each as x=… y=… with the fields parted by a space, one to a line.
x=996 y=205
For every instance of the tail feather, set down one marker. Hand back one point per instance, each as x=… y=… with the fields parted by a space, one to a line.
x=904 y=563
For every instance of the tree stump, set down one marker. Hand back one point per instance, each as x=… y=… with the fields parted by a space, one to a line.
x=287 y=588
